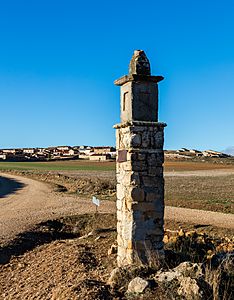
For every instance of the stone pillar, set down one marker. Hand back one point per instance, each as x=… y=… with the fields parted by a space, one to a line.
x=140 y=183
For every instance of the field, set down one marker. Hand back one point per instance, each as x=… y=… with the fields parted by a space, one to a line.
x=59 y=166
x=202 y=185
x=77 y=165
x=214 y=193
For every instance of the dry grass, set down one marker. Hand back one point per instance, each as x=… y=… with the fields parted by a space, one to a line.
x=180 y=165
x=214 y=193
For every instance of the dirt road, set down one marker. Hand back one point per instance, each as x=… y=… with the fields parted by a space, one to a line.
x=36 y=202
x=32 y=201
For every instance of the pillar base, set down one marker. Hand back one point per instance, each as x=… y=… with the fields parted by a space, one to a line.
x=140 y=192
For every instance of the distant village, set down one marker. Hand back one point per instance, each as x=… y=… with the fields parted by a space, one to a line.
x=102 y=153
x=59 y=153
x=190 y=153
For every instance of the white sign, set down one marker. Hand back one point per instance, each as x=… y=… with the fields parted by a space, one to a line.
x=96 y=201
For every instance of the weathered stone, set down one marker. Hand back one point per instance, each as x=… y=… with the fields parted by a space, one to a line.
x=119 y=204
x=137 y=194
x=126 y=141
x=135 y=178
x=150 y=181
x=141 y=156
x=140 y=184
x=145 y=139
x=190 y=269
x=139 y=92
x=139 y=63
x=190 y=289
x=127 y=166
x=135 y=140
x=150 y=197
x=131 y=156
x=185 y=269
x=155 y=171
x=116 y=278
x=120 y=191
x=139 y=166
x=158 y=139
x=137 y=285
x=167 y=276
x=112 y=250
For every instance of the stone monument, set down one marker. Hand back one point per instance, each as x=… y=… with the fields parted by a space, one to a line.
x=139 y=167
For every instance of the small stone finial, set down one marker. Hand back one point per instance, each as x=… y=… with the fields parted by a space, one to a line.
x=139 y=64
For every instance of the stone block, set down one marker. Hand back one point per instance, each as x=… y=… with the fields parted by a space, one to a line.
x=155 y=171
x=135 y=178
x=119 y=204
x=137 y=194
x=158 y=206
x=137 y=129
x=124 y=178
x=150 y=181
x=144 y=206
x=121 y=252
x=150 y=197
x=158 y=139
x=160 y=157
x=156 y=215
x=145 y=139
x=130 y=245
x=119 y=215
x=138 y=216
x=120 y=240
x=139 y=166
x=141 y=156
x=139 y=234
x=137 y=285
x=127 y=166
x=135 y=140
x=131 y=156
x=126 y=141
x=120 y=191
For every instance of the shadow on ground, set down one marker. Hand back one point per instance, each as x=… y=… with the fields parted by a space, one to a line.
x=9 y=186
x=43 y=233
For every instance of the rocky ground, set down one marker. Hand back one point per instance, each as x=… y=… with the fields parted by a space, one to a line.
x=75 y=258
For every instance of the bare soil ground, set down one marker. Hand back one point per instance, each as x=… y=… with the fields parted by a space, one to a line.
x=67 y=259
x=48 y=255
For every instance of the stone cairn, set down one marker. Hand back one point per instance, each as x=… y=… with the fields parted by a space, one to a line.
x=139 y=167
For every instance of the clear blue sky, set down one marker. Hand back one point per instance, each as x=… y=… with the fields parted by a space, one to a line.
x=58 y=61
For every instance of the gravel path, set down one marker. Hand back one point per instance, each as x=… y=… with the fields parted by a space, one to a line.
x=36 y=202
x=32 y=202
x=201 y=217
x=202 y=173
